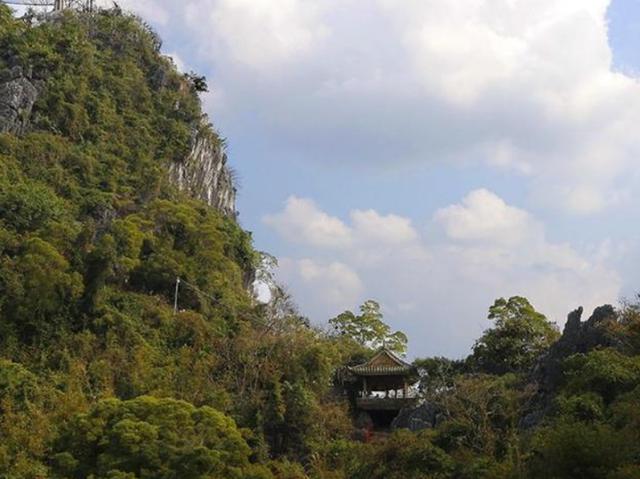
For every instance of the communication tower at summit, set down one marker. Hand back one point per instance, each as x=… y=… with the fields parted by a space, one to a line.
x=55 y=5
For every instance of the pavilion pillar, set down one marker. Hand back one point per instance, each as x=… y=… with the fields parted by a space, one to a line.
x=404 y=390
x=364 y=386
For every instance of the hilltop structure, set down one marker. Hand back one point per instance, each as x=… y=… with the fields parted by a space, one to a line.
x=380 y=388
x=56 y=5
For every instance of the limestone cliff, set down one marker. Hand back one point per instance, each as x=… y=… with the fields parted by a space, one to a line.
x=17 y=97
x=577 y=337
x=204 y=173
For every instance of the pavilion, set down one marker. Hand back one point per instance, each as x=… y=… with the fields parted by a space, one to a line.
x=381 y=386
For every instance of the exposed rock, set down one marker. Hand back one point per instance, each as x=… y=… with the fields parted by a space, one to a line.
x=578 y=337
x=204 y=174
x=160 y=77
x=17 y=97
x=424 y=416
x=249 y=278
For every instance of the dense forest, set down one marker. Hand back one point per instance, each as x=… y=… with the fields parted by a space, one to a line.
x=101 y=377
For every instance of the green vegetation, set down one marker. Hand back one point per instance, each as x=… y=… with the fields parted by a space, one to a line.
x=519 y=337
x=368 y=330
x=152 y=438
x=100 y=377
x=94 y=361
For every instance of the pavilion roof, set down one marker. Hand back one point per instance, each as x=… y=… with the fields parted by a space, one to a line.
x=383 y=363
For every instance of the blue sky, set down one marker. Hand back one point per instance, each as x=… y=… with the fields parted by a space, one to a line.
x=431 y=155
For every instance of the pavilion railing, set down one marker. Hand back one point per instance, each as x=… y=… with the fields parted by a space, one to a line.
x=384 y=404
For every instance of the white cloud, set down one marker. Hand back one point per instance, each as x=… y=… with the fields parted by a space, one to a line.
x=482 y=215
x=490 y=235
x=387 y=229
x=438 y=288
x=546 y=65
x=522 y=84
x=303 y=222
x=466 y=48
x=328 y=286
x=260 y=34
x=498 y=247
x=517 y=84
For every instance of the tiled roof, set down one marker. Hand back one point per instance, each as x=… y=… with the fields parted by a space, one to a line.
x=365 y=369
x=384 y=363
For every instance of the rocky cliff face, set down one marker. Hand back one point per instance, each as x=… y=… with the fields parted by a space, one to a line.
x=578 y=337
x=204 y=173
x=17 y=97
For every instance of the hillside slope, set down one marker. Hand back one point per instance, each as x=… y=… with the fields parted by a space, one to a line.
x=113 y=185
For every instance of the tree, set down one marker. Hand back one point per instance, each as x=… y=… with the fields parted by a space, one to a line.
x=28 y=206
x=43 y=289
x=480 y=414
x=437 y=374
x=153 y=438
x=198 y=82
x=520 y=335
x=407 y=455
x=570 y=449
x=24 y=425
x=604 y=371
x=368 y=329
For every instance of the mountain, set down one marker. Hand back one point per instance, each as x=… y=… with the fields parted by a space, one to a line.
x=132 y=346
x=113 y=184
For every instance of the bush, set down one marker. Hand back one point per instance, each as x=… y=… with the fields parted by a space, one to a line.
x=152 y=438
x=606 y=372
x=571 y=449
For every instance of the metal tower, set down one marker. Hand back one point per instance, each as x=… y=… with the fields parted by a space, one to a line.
x=83 y=5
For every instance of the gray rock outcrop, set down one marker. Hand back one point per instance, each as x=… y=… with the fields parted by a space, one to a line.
x=17 y=97
x=578 y=337
x=424 y=416
x=204 y=174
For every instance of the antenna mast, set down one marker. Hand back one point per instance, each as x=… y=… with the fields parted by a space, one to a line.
x=56 y=5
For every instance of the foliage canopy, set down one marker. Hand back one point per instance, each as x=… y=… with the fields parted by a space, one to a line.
x=519 y=337
x=368 y=329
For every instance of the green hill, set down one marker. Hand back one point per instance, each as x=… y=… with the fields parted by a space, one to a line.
x=113 y=185
x=94 y=232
